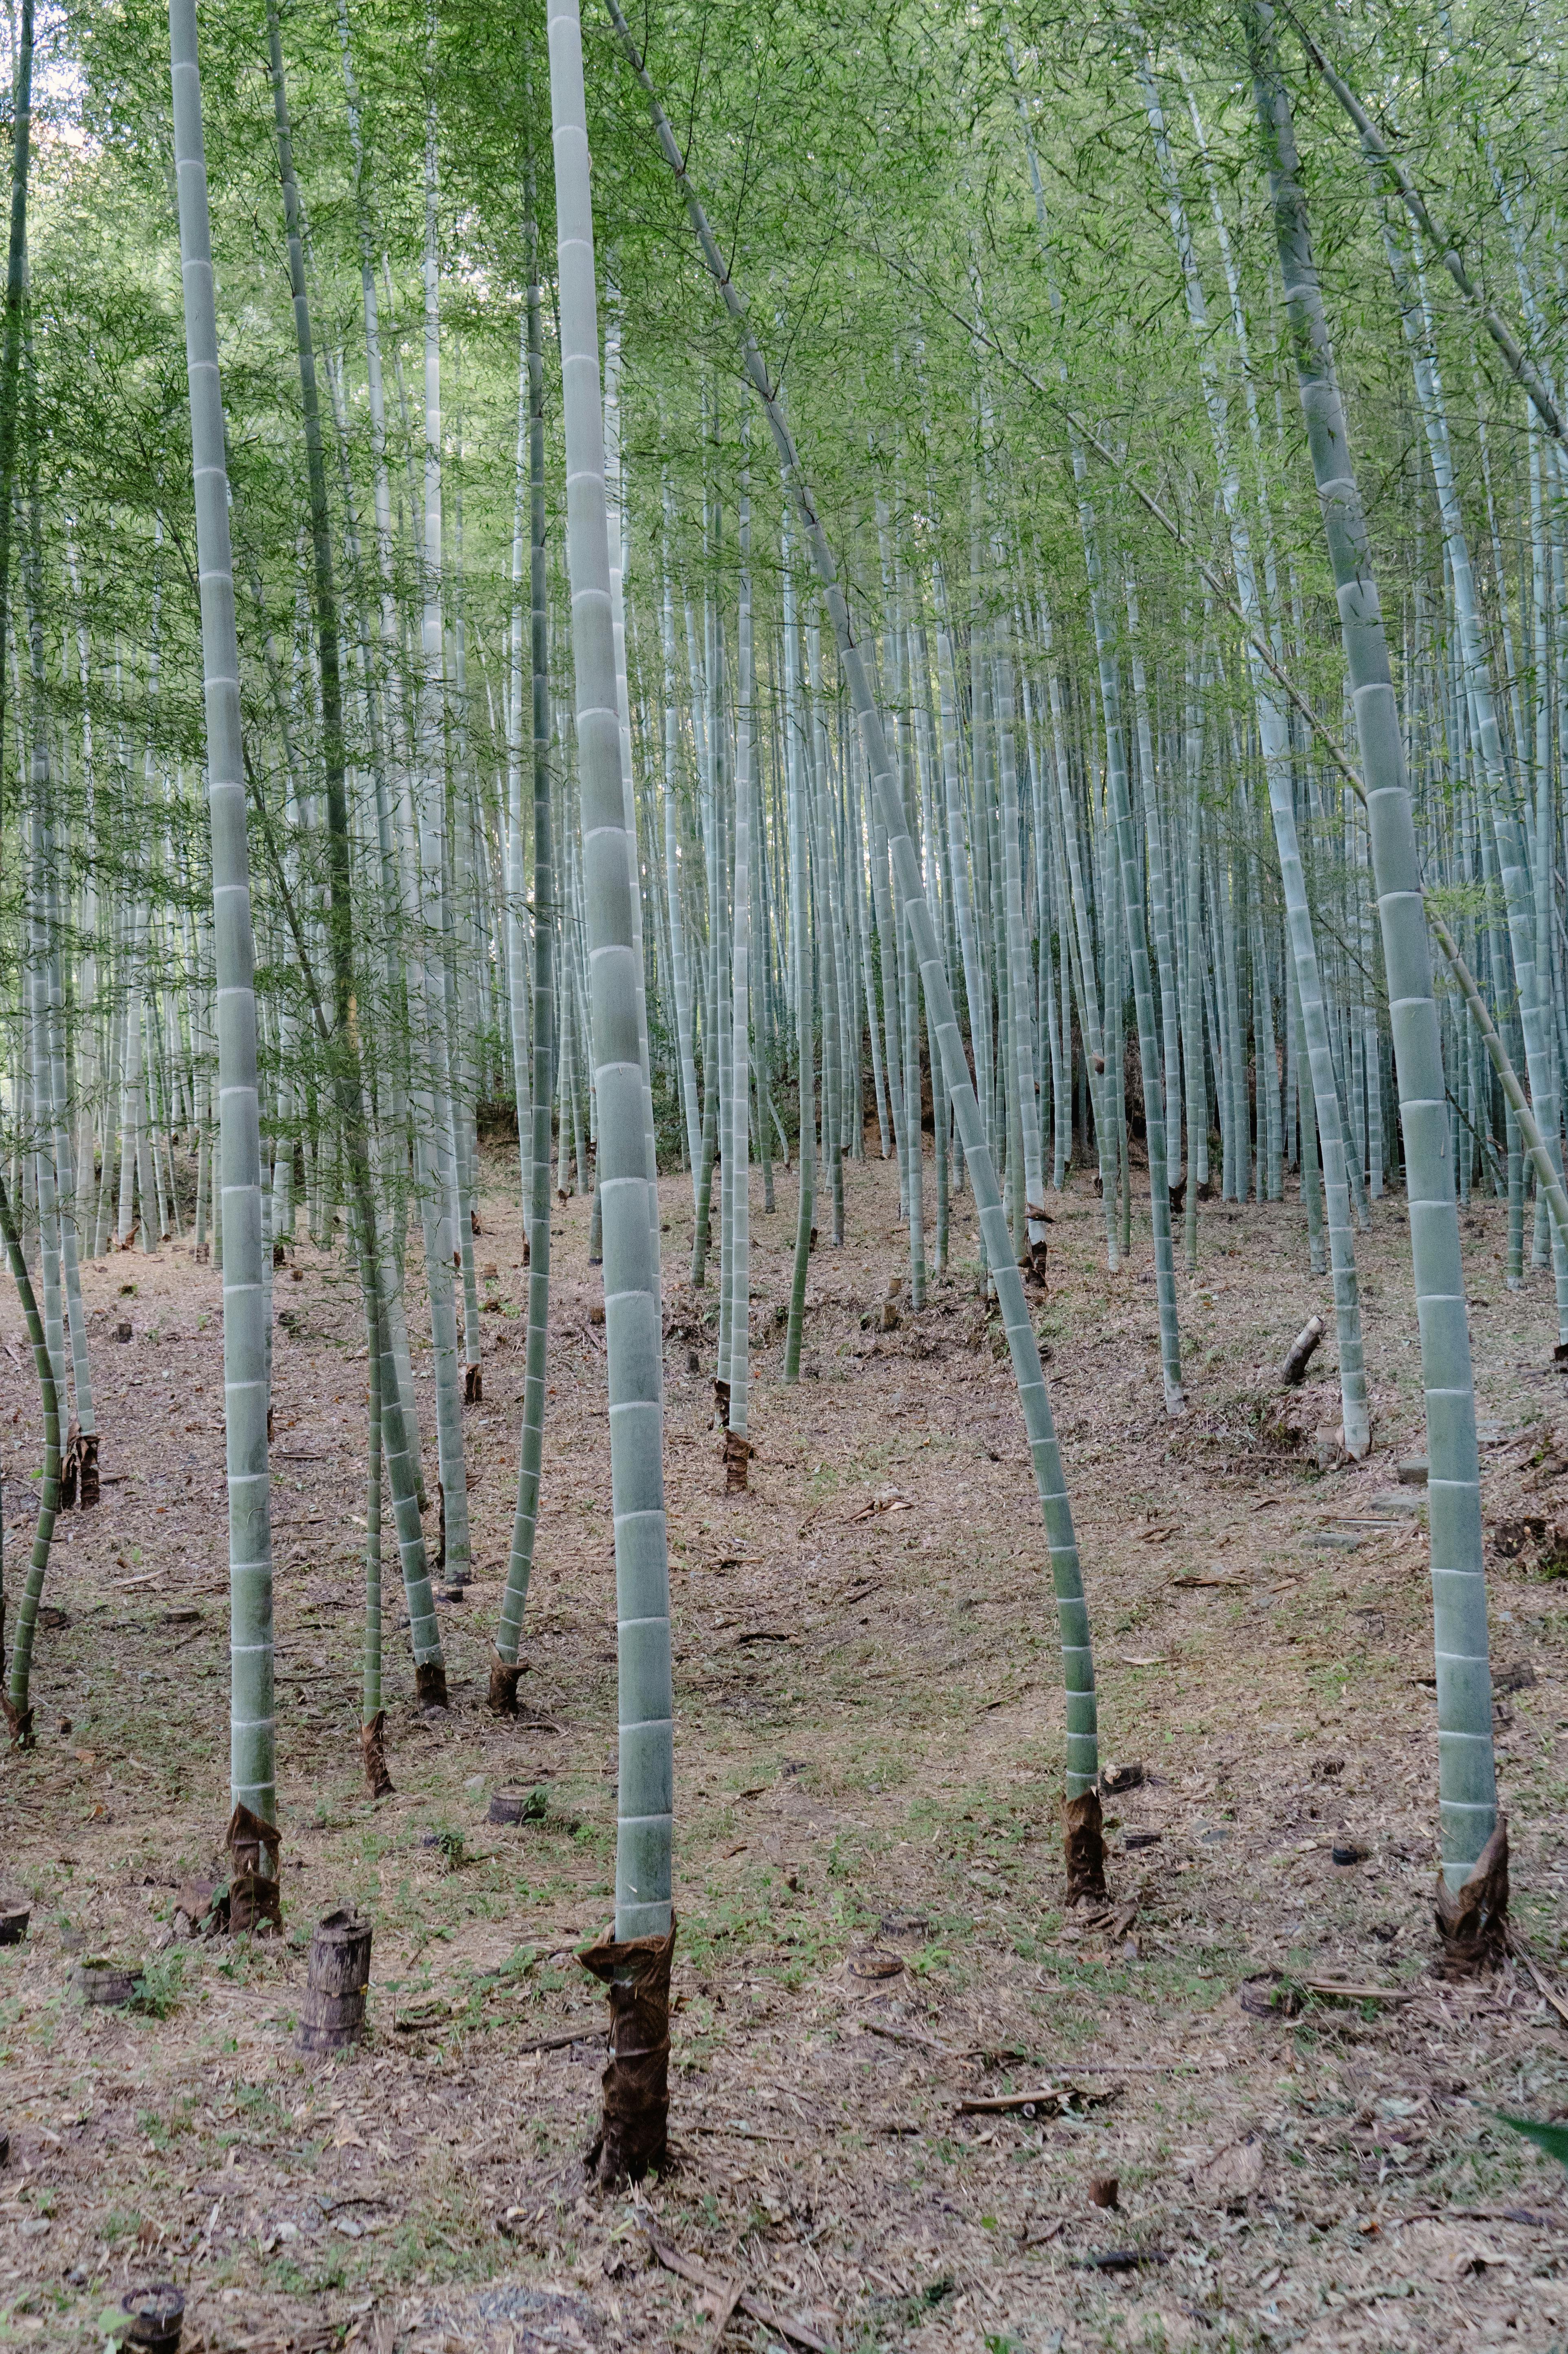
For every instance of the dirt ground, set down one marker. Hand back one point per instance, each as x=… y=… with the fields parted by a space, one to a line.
x=869 y=1737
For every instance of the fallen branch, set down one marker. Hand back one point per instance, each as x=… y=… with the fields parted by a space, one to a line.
x=912 y=2035
x=561 y=2042
x=1049 y=2098
x=1346 y=1992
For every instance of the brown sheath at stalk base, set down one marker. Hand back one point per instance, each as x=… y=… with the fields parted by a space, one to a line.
x=633 y=2126
x=255 y=1900
x=431 y=1685
x=736 y=1455
x=372 y=1738
x=1472 y=1920
x=473 y=1386
x=501 y=1699
x=86 y=1491
x=440 y=1559
x=70 y=1465
x=1084 y=1838
x=19 y=1723
x=721 y=1405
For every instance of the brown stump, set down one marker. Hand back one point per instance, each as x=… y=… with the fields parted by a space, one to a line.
x=473 y=1386
x=338 y=1972
x=1084 y=1838
x=372 y=1737
x=501 y=1699
x=634 y=2124
x=431 y=1685
x=736 y=1455
x=255 y=1899
x=1472 y=1921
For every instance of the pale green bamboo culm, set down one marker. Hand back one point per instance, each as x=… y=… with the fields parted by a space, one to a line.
x=252 y=1744
x=504 y=1670
x=1467 y=1772
x=1083 y=1753
x=632 y=2130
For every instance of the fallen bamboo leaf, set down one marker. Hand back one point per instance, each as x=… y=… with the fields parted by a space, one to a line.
x=1543 y=1987
x=722 y=2302
x=1230 y=2175
x=1194 y=1578
x=1155 y=1536
x=785 y=2324
x=1140 y=1660
x=879 y=1504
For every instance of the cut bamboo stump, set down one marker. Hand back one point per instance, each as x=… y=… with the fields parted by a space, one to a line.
x=155 y=2316
x=105 y=1985
x=14 y=1919
x=517 y=1807
x=337 y=1973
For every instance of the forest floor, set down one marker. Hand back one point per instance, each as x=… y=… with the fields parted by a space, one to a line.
x=869 y=1729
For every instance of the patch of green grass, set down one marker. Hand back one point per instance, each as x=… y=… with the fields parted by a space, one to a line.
x=160 y=1983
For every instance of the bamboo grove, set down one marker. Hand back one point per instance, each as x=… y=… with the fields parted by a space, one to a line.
x=735 y=591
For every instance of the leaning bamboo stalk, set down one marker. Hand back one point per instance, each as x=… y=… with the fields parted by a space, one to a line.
x=504 y=1670
x=1085 y=1866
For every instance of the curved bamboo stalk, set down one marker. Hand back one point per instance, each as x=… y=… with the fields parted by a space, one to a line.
x=1083 y=1753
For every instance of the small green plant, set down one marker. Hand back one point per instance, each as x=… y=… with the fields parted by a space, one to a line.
x=159 y=1985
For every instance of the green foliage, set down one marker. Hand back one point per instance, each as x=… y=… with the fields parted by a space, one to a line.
x=1551 y=2138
